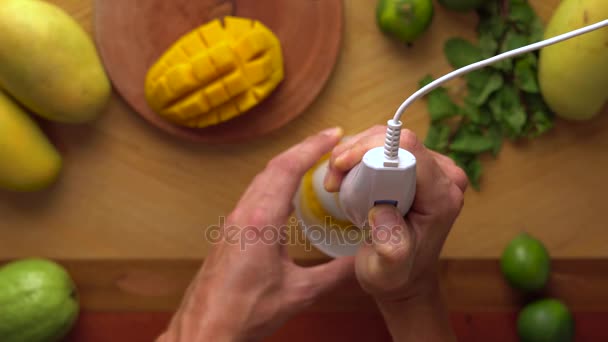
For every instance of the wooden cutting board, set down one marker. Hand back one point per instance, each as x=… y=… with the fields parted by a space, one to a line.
x=132 y=35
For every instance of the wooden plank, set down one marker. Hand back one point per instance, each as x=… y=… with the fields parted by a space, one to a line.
x=468 y=285
x=330 y=327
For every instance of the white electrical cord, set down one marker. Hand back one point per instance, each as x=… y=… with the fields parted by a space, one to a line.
x=391 y=146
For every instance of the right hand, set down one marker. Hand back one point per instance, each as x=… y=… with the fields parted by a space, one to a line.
x=404 y=266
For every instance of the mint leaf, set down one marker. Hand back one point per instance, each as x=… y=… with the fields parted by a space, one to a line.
x=515 y=121
x=482 y=83
x=438 y=137
x=525 y=74
x=513 y=40
x=505 y=65
x=472 y=143
x=440 y=105
x=537 y=30
x=476 y=79
x=541 y=117
x=471 y=165
x=460 y=52
x=542 y=122
x=488 y=44
x=480 y=116
x=493 y=25
x=489 y=9
x=472 y=111
x=520 y=12
x=502 y=101
x=425 y=81
x=507 y=109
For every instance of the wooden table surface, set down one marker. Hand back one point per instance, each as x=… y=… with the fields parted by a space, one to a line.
x=129 y=191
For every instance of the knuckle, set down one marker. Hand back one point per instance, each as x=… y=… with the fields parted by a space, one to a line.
x=409 y=140
x=456 y=200
x=258 y=217
x=461 y=176
x=334 y=155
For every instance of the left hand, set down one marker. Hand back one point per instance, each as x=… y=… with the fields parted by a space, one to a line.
x=247 y=287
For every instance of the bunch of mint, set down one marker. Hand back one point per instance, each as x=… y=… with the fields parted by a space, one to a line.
x=503 y=100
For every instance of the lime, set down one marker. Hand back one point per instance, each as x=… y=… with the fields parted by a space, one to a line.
x=461 y=5
x=525 y=263
x=37 y=301
x=546 y=320
x=404 y=20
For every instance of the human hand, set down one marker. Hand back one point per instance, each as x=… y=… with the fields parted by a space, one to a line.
x=247 y=287
x=400 y=263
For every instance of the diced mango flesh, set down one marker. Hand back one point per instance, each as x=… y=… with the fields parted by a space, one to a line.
x=215 y=73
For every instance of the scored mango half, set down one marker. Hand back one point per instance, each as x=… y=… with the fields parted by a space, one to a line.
x=215 y=73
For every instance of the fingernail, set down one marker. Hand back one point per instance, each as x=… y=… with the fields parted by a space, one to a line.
x=333 y=132
x=341 y=159
x=385 y=216
x=330 y=183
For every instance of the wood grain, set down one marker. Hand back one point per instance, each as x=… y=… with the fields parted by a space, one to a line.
x=468 y=285
x=330 y=327
x=129 y=191
x=310 y=33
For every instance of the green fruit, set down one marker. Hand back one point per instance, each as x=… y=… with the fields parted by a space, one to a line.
x=37 y=301
x=461 y=5
x=404 y=20
x=28 y=161
x=573 y=75
x=525 y=263
x=546 y=320
x=49 y=63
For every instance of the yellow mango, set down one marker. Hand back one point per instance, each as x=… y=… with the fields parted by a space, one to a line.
x=573 y=75
x=216 y=72
x=49 y=63
x=28 y=161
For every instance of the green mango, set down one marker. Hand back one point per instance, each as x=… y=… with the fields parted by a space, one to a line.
x=37 y=301
x=28 y=161
x=49 y=63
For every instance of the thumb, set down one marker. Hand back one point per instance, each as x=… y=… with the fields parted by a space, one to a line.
x=390 y=235
x=389 y=252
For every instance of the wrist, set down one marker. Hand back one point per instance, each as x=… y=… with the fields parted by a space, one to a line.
x=427 y=294
x=200 y=326
x=419 y=316
x=423 y=289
